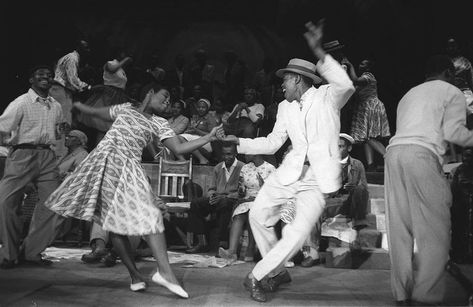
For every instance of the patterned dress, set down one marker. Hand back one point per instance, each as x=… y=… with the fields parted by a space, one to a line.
x=249 y=183
x=369 y=120
x=110 y=186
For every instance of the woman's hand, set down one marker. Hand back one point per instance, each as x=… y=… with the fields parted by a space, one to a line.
x=216 y=132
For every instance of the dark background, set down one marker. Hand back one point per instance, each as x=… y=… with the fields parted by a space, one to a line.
x=398 y=35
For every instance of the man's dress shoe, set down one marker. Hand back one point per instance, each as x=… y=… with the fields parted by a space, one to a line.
x=256 y=290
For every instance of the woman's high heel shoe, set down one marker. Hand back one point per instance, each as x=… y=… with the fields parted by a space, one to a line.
x=176 y=289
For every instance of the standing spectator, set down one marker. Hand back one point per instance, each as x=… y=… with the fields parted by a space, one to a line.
x=222 y=196
x=111 y=92
x=418 y=197
x=38 y=121
x=66 y=78
x=370 y=121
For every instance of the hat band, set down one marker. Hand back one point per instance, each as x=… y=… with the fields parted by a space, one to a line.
x=302 y=68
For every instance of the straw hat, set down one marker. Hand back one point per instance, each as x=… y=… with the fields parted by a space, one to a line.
x=301 y=67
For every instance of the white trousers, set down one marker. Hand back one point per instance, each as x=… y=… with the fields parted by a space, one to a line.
x=265 y=213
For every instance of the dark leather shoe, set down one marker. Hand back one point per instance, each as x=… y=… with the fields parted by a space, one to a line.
x=94 y=256
x=198 y=249
x=254 y=287
x=309 y=262
x=403 y=303
x=274 y=282
x=110 y=259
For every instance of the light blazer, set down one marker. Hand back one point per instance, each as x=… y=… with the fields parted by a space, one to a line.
x=314 y=133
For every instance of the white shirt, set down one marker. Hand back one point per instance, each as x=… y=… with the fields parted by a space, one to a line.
x=31 y=119
x=430 y=115
x=228 y=172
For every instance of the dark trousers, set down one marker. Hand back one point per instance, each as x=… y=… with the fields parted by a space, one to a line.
x=356 y=205
x=201 y=208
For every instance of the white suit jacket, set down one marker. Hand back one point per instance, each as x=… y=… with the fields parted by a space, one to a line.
x=314 y=130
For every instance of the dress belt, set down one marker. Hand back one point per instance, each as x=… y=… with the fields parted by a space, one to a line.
x=31 y=146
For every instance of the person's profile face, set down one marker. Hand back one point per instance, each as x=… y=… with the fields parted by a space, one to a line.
x=160 y=102
x=289 y=87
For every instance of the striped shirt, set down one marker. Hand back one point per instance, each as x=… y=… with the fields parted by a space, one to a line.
x=66 y=72
x=32 y=120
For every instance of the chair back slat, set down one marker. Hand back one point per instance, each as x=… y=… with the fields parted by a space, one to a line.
x=172 y=176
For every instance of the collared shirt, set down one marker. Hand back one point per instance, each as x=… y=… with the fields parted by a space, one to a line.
x=71 y=161
x=32 y=120
x=430 y=115
x=66 y=72
x=228 y=172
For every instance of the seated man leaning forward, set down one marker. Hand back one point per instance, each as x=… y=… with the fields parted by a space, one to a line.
x=354 y=184
x=221 y=199
x=310 y=117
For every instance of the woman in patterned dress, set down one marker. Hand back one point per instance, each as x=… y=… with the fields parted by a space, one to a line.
x=111 y=188
x=370 y=122
x=252 y=176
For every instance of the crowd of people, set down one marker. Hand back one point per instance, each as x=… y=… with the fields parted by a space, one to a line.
x=278 y=154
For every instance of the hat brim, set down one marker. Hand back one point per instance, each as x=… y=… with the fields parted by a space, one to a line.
x=316 y=79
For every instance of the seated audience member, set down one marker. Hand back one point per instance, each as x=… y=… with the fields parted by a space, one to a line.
x=219 y=113
x=354 y=184
x=76 y=142
x=462 y=204
x=200 y=124
x=245 y=116
x=252 y=176
x=177 y=121
x=222 y=196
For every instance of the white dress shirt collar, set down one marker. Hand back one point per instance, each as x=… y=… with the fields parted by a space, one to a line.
x=228 y=172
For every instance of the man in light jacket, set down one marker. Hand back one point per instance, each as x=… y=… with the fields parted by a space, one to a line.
x=310 y=117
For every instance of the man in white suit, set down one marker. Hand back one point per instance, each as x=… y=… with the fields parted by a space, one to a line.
x=310 y=117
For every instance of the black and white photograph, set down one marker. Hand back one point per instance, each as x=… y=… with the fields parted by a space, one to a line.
x=237 y=153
